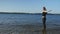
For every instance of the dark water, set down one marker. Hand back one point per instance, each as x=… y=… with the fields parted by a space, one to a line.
x=22 y=19
x=19 y=19
x=7 y=20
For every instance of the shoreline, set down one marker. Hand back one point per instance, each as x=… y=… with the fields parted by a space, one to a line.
x=29 y=29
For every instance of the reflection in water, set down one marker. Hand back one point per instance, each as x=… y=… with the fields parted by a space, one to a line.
x=44 y=29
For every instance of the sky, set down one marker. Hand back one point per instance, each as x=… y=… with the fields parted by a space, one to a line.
x=29 y=6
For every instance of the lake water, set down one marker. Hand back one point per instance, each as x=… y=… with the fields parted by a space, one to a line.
x=20 y=22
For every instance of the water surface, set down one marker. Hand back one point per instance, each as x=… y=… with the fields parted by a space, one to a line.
x=26 y=23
